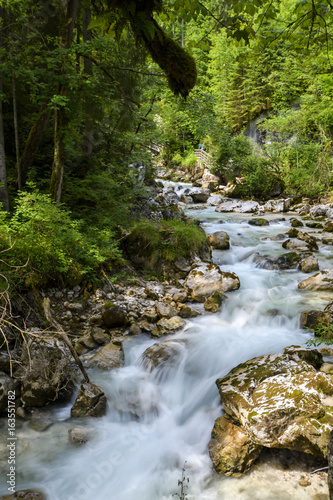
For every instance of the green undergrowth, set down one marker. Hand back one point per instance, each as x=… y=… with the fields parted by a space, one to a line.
x=323 y=335
x=40 y=243
x=168 y=240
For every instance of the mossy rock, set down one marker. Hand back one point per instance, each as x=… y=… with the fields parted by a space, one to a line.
x=258 y=222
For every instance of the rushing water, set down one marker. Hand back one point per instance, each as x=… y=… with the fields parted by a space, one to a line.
x=138 y=455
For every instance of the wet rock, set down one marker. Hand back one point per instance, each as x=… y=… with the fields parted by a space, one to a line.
x=134 y=329
x=112 y=315
x=258 y=222
x=319 y=210
x=328 y=227
x=214 y=302
x=25 y=495
x=154 y=290
x=179 y=296
x=165 y=326
x=300 y=235
x=40 y=420
x=320 y=281
x=232 y=452
x=214 y=200
x=146 y=326
x=277 y=205
x=44 y=371
x=296 y=223
x=219 y=240
x=314 y=225
x=80 y=435
x=311 y=356
x=108 y=357
x=309 y=265
x=296 y=245
x=185 y=311
x=100 y=336
x=206 y=279
x=165 y=310
x=166 y=353
x=227 y=206
x=327 y=368
x=90 y=402
x=6 y=384
x=281 y=402
x=247 y=207
x=199 y=195
x=286 y=261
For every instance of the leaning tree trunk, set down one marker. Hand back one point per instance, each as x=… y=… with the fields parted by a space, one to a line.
x=67 y=16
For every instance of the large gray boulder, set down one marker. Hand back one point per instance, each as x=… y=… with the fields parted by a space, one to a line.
x=44 y=371
x=199 y=195
x=280 y=401
x=206 y=279
x=277 y=205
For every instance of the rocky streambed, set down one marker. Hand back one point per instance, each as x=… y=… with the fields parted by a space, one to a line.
x=164 y=356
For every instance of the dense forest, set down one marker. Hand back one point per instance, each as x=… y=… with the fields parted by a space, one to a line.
x=89 y=88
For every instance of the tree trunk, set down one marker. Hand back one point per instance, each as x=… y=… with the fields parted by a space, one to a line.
x=88 y=138
x=4 y=198
x=67 y=16
x=330 y=465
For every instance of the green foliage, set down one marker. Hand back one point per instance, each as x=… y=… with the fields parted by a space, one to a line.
x=323 y=335
x=42 y=243
x=167 y=240
x=190 y=160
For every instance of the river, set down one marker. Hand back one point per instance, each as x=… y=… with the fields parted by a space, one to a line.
x=140 y=457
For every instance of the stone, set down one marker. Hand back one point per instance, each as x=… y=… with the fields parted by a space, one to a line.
x=165 y=326
x=134 y=329
x=227 y=206
x=100 y=336
x=296 y=245
x=150 y=315
x=80 y=435
x=232 y=452
x=165 y=310
x=277 y=205
x=309 y=264
x=6 y=384
x=206 y=279
x=154 y=290
x=163 y=354
x=186 y=199
x=300 y=235
x=185 y=311
x=328 y=228
x=319 y=210
x=90 y=402
x=311 y=356
x=179 y=296
x=320 y=281
x=214 y=302
x=258 y=222
x=108 y=357
x=25 y=495
x=296 y=223
x=280 y=401
x=327 y=368
x=199 y=195
x=44 y=373
x=288 y=260
x=112 y=315
x=214 y=200
x=146 y=326
x=219 y=240
x=4 y=362
x=247 y=207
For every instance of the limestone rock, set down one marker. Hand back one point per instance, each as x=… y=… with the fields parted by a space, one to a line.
x=90 y=402
x=247 y=207
x=277 y=205
x=100 y=336
x=108 y=357
x=134 y=329
x=300 y=235
x=258 y=222
x=206 y=279
x=312 y=319
x=45 y=371
x=288 y=260
x=214 y=302
x=165 y=326
x=219 y=240
x=165 y=310
x=309 y=265
x=320 y=281
x=166 y=353
x=215 y=200
x=280 y=401
x=112 y=315
x=296 y=245
x=230 y=449
x=199 y=195
x=227 y=206
x=154 y=290
x=185 y=311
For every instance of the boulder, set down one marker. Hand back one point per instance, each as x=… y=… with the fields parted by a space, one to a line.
x=219 y=240
x=309 y=240
x=112 y=315
x=247 y=207
x=107 y=358
x=206 y=279
x=319 y=210
x=288 y=260
x=199 y=195
x=165 y=310
x=80 y=435
x=296 y=245
x=100 y=336
x=44 y=374
x=328 y=228
x=214 y=302
x=296 y=223
x=185 y=311
x=320 y=281
x=227 y=206
x=277 y=205
x=280 y=401
x=232 y=452
x=166 y=353
x=309 y=265
x=90 y=402
x=258 y=222
x=313 y=318
x=25 y=495
x=214 y=200
x=134 y=329
x=154 y=290
x=165 y=326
